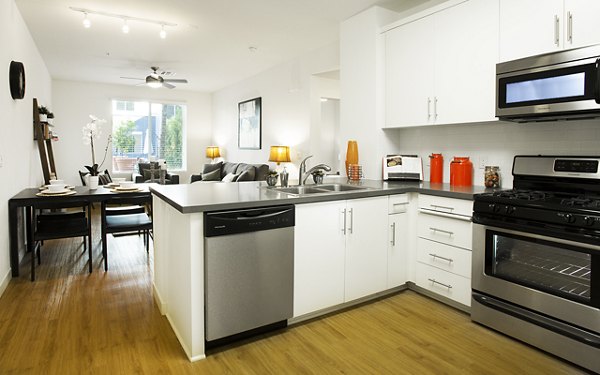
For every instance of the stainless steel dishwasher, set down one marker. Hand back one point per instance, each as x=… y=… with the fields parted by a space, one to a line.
x=248 y=271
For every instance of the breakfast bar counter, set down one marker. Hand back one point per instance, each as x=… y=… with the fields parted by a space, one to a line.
x=178 y=283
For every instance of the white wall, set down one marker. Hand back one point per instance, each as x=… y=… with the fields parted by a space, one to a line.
x=21 y=165
x=287 y=99
x=498 y=143
x=75 y=101
x=362 y=86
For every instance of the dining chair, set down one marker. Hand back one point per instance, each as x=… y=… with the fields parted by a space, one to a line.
x=125 y=215
x=54 y=220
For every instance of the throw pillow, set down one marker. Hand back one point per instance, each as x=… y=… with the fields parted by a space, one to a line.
x=246 y=175
x=212 y=176
x=147 y=174
x=212 y=167
x=230 y=177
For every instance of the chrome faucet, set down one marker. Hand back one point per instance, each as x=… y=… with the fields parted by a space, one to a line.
x=302 y=170
x=303 y=173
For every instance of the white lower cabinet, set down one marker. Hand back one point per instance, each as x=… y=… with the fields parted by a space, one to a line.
x=398 y=240
x=444 y=283
x=444 y=242
x=340 y=252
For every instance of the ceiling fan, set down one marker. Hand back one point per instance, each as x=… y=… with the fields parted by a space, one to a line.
x=156 y=79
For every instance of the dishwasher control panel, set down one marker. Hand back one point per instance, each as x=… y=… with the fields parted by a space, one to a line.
x=221 y=223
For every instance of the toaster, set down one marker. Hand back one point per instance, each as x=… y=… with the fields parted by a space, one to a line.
x=402 y=167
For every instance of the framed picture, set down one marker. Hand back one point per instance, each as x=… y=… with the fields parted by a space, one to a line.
x=249 y=124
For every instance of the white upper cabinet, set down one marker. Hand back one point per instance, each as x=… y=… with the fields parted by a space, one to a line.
x=532 y=27
x=440 y=68
x=409 y=68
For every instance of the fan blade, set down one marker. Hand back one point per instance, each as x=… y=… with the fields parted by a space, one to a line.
x=139 y=79
x=175 y=80
x=168 y=85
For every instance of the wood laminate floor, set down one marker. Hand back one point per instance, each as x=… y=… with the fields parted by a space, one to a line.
x=71 y=322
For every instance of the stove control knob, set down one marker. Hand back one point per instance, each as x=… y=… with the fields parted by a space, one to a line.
x=494 y=207
x=509 y=209
x=569 y=218
x=589 y=220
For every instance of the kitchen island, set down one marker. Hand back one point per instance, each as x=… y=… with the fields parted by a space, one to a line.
x=178 y=283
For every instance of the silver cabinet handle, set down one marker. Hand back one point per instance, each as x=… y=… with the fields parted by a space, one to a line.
x=435 y=114
x=435 y=207
x=442 y=284
x=428 y=108
x=570 y=27
x=351 y=229
x=556 y=30
x=441 y=231
x=393 y=234
x=435 y=256
x=344 y=227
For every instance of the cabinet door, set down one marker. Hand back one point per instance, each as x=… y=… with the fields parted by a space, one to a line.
x=366 y=247
x=528 y=27
x=397 y=250
x=409 y=74
x=319 y=256
x=465 y=62
x=581 y=23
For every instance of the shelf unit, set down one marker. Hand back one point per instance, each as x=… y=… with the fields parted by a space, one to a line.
x=42 y=136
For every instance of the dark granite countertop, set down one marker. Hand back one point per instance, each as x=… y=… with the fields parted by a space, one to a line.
x=200 y=197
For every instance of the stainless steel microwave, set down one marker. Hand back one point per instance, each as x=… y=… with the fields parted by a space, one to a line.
x=554 y=86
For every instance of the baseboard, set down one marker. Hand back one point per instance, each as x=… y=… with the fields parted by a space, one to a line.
x=183 y=345
x=5 y=280
x=437 y=297
x=162 y=306
x=345 y=305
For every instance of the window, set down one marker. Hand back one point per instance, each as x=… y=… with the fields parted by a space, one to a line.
x=144 y=130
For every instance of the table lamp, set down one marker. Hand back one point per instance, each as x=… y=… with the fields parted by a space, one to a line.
x=281 y=154
x=213 y=152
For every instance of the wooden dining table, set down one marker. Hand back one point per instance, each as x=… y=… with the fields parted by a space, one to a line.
x=28 y=199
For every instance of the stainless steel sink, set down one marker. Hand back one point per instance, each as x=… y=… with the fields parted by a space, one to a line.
x=318 y=189
x=340 y=187
x=299 y=190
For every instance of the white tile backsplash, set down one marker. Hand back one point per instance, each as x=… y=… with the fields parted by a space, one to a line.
x=498 y=142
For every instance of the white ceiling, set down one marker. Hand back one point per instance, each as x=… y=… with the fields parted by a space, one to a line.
x=209 y=46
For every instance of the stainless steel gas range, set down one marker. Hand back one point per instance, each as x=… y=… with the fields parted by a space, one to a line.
x=536 y=257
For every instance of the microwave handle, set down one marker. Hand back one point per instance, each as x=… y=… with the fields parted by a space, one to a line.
x=597 y=88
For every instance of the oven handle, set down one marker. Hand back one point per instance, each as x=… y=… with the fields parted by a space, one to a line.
x=556 y=326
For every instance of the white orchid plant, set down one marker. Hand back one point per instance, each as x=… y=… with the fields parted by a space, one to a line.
x=92 y=132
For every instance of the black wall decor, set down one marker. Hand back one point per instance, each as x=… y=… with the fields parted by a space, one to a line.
x=16 y=78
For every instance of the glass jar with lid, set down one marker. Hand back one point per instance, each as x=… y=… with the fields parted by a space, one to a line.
x=492 y=176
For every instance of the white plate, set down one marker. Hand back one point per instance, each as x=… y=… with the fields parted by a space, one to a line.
x=48 y=192
x=120 y=188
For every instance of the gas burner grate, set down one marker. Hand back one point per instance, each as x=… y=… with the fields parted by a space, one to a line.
x=528 y=195
x=582 y=202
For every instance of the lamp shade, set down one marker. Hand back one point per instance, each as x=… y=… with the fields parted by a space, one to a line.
x=280 y=154
x=213 y=152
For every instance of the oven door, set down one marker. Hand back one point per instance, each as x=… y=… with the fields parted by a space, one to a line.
x=548 y=275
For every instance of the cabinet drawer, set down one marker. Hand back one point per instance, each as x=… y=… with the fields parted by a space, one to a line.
x=444 y=283
x=446 y=205
x=446 y=230
x=397 y=204
x=445 y=257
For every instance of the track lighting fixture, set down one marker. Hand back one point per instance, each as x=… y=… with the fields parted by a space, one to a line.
x=126 y=19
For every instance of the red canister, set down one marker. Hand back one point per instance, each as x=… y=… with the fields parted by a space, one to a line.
x=461 y=171
x=436 y=169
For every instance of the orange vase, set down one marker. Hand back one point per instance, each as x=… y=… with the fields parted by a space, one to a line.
x=351 y=155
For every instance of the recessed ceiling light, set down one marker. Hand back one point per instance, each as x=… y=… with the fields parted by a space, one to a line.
x=125 y=27
x=86 y=21
x=163 y=33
